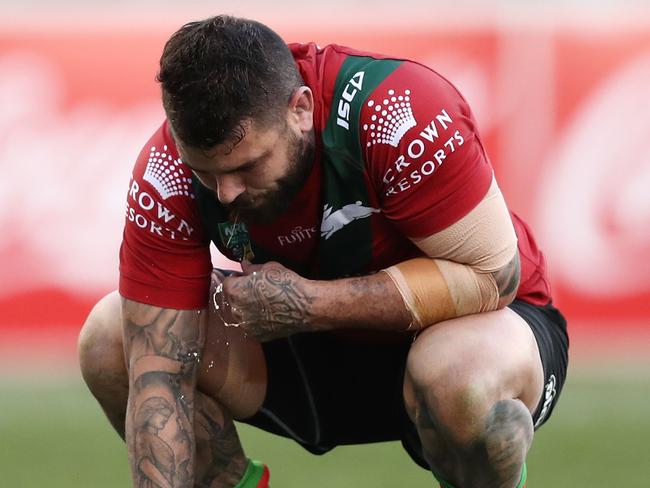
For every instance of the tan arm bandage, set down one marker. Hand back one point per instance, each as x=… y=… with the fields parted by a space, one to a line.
x=456 y=279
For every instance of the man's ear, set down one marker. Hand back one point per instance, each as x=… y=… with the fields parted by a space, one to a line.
x=301 y=109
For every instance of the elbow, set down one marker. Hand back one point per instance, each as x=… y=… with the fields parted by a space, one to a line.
x=507 y=281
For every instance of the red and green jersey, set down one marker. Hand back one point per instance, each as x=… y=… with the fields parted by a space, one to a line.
x=398 y=156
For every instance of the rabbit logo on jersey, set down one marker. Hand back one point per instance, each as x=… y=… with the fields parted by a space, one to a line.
x=335 y=221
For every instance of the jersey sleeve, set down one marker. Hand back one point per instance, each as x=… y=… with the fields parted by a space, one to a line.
x=422 y=150
x=164 y=256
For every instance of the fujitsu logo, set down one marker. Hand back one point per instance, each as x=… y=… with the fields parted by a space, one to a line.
x=392 y=119
x=166 y=175
x=298 y=234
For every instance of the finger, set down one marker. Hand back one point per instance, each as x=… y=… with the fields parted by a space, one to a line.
x=231 y=272
x=217 y=276
x=248 y=268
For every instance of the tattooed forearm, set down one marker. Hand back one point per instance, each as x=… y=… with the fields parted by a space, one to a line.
x=162 y=349
x=268 y=303
x=507 y=279
x=280 y=295
x=273 y=301
x=364 y=302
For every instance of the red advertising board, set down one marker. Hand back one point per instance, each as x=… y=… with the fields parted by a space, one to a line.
x=564 y=111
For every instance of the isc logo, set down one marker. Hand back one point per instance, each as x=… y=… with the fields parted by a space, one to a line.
x=351 y=88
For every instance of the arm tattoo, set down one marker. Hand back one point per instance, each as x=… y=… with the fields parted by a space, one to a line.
x=162 y=348
x=283 y=300
x=507 y=280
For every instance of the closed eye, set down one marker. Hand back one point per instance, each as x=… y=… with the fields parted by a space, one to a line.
x=247 y=166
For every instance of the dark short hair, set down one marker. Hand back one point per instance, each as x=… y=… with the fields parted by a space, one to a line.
x=217 y=73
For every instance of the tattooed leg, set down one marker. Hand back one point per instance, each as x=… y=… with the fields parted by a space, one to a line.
x=508 y=436
x=470 y=387
x=494 y=459
x=220 y=459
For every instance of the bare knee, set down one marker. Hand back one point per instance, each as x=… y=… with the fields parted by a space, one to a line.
x=449 y=398
x=451 y=383
x=508 y=433
x=100 y=340
x=458 y=370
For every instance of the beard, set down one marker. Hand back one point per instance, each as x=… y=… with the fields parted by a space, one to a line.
x=265 y=208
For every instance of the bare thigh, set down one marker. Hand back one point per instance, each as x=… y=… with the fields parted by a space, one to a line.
x=480 y=358
x=233 y=368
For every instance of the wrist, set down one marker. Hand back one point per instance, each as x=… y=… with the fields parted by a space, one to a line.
x=317 y=312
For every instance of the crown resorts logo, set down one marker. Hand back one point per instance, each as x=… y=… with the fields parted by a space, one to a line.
x=393 y=119
x=166 y=175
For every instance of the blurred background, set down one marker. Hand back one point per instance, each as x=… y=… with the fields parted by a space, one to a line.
x=561 y=91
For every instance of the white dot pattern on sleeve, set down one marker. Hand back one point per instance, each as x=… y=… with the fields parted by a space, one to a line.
x=167 y=175
x=396 y=119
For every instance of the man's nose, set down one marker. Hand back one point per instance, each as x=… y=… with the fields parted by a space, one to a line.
x=229 y=187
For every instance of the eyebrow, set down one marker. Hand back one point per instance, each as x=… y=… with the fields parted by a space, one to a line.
x=243 y=166
x=246 y=165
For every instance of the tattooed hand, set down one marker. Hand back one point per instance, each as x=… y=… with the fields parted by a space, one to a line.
x=267 y=301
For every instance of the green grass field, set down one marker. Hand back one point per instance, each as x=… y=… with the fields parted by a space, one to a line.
x=53 y=435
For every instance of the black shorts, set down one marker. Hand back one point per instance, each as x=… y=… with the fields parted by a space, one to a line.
x=329 y=389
